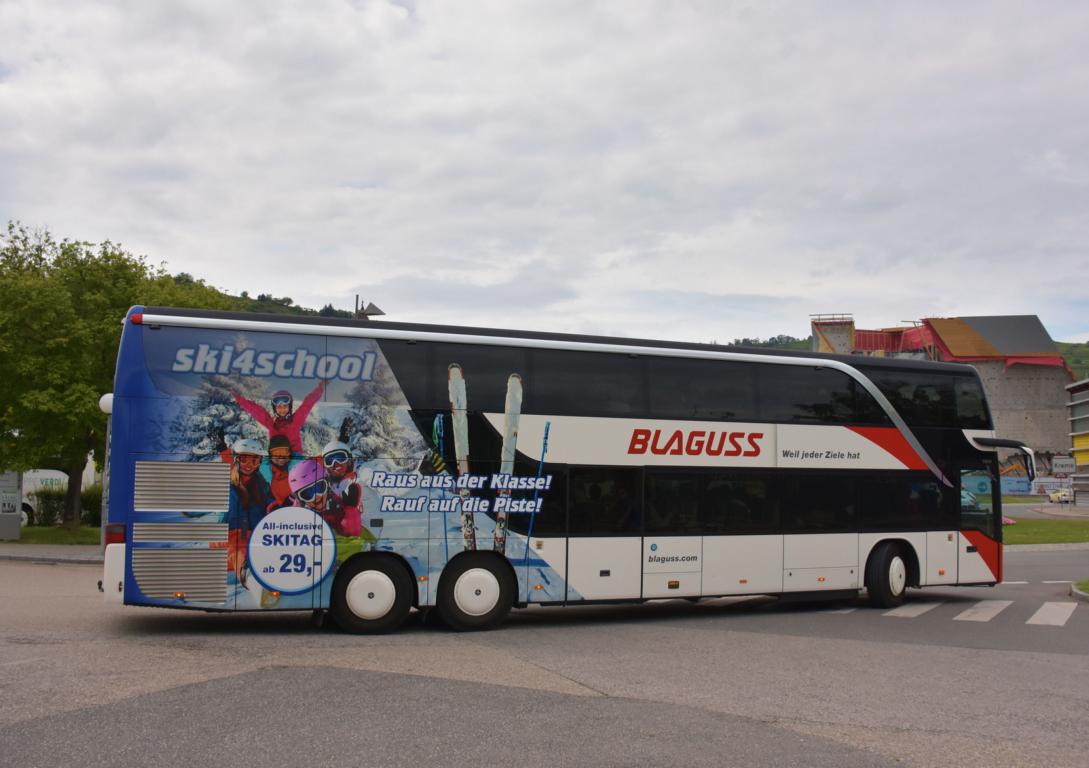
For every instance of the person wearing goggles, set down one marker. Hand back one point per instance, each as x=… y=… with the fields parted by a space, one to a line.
x=283 y=419
x=248 y=501
x=347 y=494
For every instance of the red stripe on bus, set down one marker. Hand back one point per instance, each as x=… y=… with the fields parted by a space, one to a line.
x=989 y=549
x=890 y=439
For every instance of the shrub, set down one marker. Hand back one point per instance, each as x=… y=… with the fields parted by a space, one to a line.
x=90 y=499
x=49 y=505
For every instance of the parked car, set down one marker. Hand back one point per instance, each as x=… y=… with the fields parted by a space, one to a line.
x=1063 y=495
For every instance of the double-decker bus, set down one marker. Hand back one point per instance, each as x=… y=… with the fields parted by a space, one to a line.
x=267 y=463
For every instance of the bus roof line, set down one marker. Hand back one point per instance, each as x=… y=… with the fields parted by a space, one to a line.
x=375 y=332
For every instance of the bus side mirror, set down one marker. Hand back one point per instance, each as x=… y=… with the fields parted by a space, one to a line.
x=1029 y=457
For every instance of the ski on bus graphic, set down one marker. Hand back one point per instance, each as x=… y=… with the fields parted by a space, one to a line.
x=459 y=403
x=511 y=414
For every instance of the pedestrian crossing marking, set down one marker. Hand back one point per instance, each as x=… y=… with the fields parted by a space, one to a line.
x=985 y=610
x=911 y=610
x=1053 y=614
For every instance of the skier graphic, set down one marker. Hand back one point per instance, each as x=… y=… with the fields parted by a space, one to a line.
x=283 y=419
x=346 y=493
x=248 y=501
x=277 y=469
x=310 y=488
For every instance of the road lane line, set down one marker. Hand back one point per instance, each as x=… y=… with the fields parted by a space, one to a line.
x=1013 y=582
x=1053 y=614
x=840 y=610
x=911 y=610
x=1060 y=581
x=985 y=610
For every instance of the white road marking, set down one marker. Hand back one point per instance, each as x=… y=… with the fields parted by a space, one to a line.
x=1014 y=582
x=840 y=610
x=911 y=610
x=984 y=610
x=1053 y=614
x=1060 y=581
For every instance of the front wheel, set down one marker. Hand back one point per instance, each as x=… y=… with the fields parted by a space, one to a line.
x=476 y=592
x=371 y=595
x=886 y=576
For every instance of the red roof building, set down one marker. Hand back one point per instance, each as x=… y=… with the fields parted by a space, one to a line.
x=1022 y=371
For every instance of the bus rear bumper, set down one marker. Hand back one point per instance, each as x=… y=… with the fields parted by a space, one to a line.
x=113 y=574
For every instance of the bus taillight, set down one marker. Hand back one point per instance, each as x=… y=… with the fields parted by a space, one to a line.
x=115 y=534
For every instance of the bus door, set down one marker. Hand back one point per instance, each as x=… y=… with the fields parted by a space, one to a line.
x=979 y=550
x=672 y=541
x=604 y=529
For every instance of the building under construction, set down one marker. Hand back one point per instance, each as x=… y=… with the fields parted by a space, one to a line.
x=1023 y=374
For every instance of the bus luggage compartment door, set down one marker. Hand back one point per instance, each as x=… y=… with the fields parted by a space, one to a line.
x=672 y=566
x=603 y=568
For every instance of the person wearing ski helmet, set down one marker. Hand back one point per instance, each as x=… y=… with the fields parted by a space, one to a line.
x=283 y=419
x=347 y=495
x=283 y=402
x=310 y=489
x=248 y=500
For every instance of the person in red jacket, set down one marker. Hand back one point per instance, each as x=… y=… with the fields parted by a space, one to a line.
x=283 y=420
x=279 y=464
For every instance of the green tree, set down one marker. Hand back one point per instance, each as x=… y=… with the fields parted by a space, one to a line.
x=61 y=306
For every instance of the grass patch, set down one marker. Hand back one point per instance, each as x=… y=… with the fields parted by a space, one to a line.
x=1083 y=585
x=1046 y=531
x=1024 y=499
x=55 y=534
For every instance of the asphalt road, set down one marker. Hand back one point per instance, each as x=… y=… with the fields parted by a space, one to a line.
x=726 y=682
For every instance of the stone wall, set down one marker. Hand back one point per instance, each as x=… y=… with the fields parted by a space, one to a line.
x=1028 y=403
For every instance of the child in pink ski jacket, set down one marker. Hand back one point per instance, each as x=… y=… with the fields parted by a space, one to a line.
x=283 y=420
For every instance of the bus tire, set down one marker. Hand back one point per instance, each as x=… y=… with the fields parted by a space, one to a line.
x=476 y=592
x=371 y=595
x=886 y=576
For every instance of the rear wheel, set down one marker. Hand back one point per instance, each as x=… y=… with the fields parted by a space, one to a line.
x=476 y=592
x=371 y=595
x=886 y=576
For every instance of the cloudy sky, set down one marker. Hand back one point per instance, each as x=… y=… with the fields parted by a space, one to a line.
x=681 y=170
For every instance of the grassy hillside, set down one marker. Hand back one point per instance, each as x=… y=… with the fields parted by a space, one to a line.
x=781 y=341
x=1077 y=355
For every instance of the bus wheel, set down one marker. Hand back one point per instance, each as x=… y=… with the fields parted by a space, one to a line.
x=886 y=576
x=476 y=592
x=371 y=595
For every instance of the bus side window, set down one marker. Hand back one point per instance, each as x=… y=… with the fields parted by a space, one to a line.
x=702 y=389
x=672 y=503
x=585 y=384
x=804 y=394
x=605 y=502
x=737 y=504
x=551 y=520
x=813 y=503
x=912 y=503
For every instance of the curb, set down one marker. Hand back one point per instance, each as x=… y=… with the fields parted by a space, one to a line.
x=48 y=560
x=1077 y=594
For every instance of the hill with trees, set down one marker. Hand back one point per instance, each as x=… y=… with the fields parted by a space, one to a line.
x=1077 y=357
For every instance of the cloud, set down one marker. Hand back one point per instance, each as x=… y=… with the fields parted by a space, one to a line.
x=692 y=171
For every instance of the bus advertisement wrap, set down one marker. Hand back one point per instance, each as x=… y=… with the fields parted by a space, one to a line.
x=326 y=460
